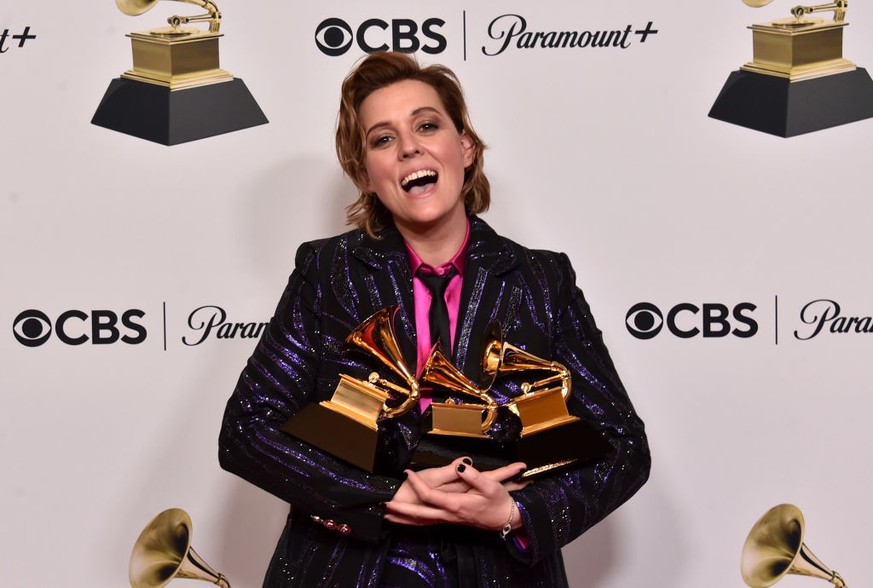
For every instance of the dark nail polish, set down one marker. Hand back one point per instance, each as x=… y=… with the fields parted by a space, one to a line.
x=467 y=461
x=461 y=467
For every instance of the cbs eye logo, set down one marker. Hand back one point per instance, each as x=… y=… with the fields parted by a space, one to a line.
x=334 y=36
x=33 y=328
x=644 y=320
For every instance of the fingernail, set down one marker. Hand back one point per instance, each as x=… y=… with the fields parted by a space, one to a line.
x=461 y=467
x=467 y=461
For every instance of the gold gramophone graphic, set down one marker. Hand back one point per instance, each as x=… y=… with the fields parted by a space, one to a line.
x=798 y=80
x=775 y=548
x=176 y=90
x=347 y=425
x=163 y=551
x=549 y=437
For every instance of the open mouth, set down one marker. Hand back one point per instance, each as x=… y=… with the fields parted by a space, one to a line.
x=417 y=181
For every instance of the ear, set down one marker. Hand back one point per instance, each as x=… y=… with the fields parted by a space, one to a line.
x=467 y=149
x=364 y=182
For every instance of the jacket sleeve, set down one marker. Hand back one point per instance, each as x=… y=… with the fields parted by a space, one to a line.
x=279 y=379
x=557 y=508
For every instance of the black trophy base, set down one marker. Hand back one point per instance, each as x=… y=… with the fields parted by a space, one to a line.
x=155 y=113
x=335 y=433
x=543 y=451
x=779 y=107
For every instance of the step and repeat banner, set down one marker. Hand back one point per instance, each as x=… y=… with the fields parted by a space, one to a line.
x=727 y=267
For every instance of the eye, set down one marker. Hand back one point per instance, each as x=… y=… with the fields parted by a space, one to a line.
x=380 y=141
x=428 y=126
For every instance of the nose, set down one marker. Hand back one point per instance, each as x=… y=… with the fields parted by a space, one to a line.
x=409 y=146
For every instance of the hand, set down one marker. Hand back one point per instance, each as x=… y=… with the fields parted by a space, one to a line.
x=457 y=494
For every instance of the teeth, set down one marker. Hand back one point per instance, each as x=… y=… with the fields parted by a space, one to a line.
x=418 y=174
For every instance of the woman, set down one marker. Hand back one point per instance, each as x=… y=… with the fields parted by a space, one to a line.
x=405 y=139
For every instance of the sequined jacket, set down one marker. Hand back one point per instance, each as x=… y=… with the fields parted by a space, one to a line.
x=336 y=284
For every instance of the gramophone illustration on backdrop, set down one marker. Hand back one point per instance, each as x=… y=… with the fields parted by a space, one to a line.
x=163 y=552
x=775 y=548
x=176 y=91
x=798 y=80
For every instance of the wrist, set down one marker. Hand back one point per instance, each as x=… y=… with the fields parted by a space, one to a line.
x=512 y=522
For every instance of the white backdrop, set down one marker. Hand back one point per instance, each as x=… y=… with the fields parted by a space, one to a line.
x=604 y=153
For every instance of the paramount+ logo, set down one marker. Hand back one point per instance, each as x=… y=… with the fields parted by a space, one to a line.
x=33 y=328
x=686 y=320
x=335 y=36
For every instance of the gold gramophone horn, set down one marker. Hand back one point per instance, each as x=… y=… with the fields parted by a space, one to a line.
x=439 y=371
x=137 y=7
x=163 y=551
x=501 y=358
x=775 y=548
x=376 y=336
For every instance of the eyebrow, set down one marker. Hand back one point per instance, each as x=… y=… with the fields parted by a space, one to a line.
x=414 y=113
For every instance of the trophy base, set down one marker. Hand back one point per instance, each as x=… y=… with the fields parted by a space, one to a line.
x=783 y=108
x=156 y=113
x=343 y=437
x=543 y=451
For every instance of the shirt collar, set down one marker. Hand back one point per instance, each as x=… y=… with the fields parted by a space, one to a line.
x=458 y=260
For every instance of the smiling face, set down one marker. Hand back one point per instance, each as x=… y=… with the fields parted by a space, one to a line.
x=415 y=157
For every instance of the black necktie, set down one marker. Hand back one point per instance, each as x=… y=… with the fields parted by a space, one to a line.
x=439 y=313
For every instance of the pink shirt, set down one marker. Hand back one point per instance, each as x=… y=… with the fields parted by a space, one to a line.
x=422 y=297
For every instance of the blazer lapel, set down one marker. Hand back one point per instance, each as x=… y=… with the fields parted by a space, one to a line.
x=387 y=281
x=485 y=296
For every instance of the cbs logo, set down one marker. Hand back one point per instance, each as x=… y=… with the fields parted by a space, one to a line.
x=335 y=36
x=685 y=320
x=32 y=327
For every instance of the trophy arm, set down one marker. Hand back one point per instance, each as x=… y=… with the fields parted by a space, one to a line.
x=562 y=376
x=839 y=7
x=413 y=394
x=490 y=415
x=212 y=16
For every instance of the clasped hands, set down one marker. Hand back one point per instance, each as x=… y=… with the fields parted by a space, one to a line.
x=457 y=493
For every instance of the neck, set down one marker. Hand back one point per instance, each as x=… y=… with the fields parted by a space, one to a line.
x=436 y=245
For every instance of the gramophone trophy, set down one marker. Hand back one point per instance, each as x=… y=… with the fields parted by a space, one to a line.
x=347 y=425
x=163 y=551
x=550 y=436
x=535 y=427
x=798 y=81
x=176 y=91
x=457 y=428
x=775 y=548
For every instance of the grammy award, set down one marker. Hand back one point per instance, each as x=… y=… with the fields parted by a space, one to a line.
x=176 y=91
x=775 y=548
x=535 y=427
x=550 y=437
x=453 y=429
x=163 y=551
x=798 y=80
x=347 y=425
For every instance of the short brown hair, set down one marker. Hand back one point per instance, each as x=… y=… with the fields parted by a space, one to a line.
x=377 y=71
